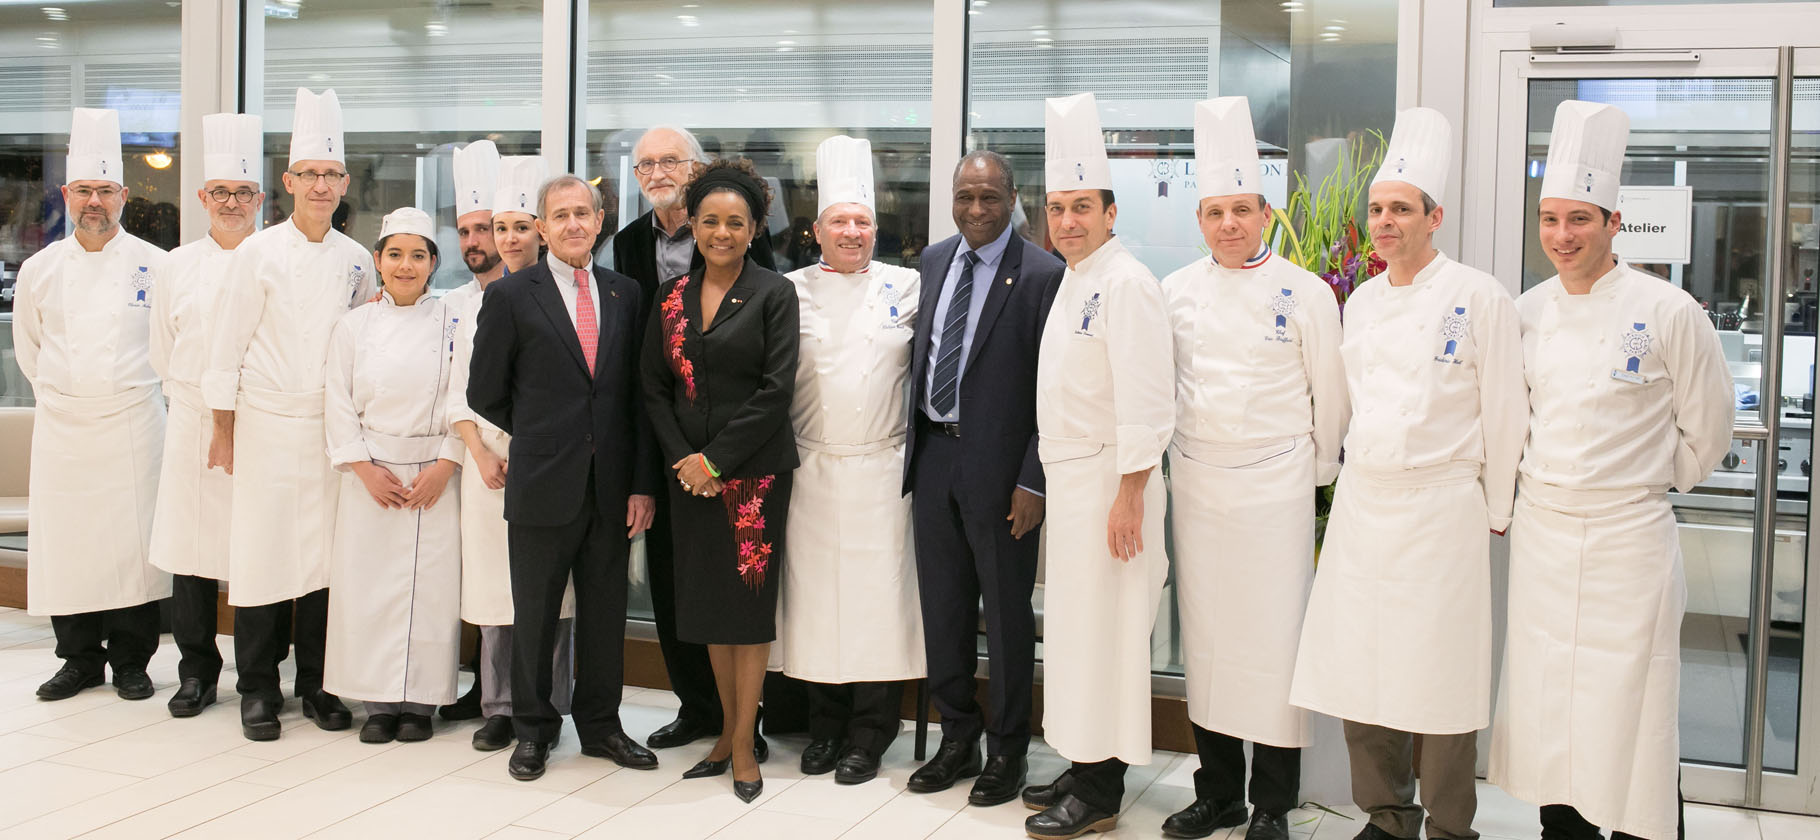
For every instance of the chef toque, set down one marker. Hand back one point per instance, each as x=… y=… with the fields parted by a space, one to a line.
x=1074 y=147
x=843 y=173
x=1420 y=152
x=94 y=146
x=519 y=178
x=1586 y=153
x=1226 y=148
x=476 y=177
x=316 y=127
x=408 y=220
x=233 y=148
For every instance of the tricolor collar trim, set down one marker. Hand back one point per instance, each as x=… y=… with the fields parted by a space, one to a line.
x=823 y=264
x=1262 y=257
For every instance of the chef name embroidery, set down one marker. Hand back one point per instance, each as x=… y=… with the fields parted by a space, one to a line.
x=139 y=290
x=1089 y=311
x=889 y=297
x=1454 y=326
x=1634 y=345
x=1283 y=306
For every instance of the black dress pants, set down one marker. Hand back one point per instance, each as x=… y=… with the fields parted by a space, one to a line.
x=864 y=714
x=686 y=663
x=962 y=557
x=593 y=549
x=1100 y=784
x=261 y=634
x=1276 y=772
x=193 y=603
x=123 y=639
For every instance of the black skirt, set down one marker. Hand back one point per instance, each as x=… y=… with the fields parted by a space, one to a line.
x=729 y=559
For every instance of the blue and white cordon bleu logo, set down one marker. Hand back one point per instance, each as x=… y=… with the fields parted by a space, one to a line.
x=139 y=291
x=1089 y=311
x=1283 y=306
x=1454 y=326
x=1634 y=345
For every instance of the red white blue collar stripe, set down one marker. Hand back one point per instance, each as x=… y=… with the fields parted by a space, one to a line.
x=831 y=270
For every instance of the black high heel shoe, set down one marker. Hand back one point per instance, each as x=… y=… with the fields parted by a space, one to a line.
x=748 y=791
x=705 y=768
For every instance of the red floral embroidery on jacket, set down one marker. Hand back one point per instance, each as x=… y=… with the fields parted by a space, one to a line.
x=745 y=502
x=676 y=329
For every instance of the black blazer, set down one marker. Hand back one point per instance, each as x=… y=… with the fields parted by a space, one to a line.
x=529 y=377
x=635 y=254
x=744 y=366
x=998 y=384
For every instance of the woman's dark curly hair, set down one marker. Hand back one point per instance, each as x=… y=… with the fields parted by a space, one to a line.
x=734 y=175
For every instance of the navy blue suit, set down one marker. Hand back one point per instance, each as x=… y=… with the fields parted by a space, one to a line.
x=962 y=494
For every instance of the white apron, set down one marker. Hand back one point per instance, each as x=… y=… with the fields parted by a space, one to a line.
x=81 y=328
x=848 y=610
x=1398 y=632
x=1244 y=546
x=1587 y=710
x=94 y=480
x=394 y=633
x=1099 y=614
x=284 y=497
x=189 y=533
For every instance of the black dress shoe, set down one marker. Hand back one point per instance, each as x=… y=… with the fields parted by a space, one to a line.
x=819 y=757
x=624 y=752
x=955 y=760
x=1205 y=816
x=527 y=761
x=465 y=707
x=327 y=710
x=748 y=791
x=706 y=768
x=495 y=734
x=68 y=680
x=133 y=685
x=380 y=728
x=1268 y=826
x=680 y=732
x=1069 y=818
x=1000 y=782
x=259 y=717
x=1041 y=797
x=1372 y=832
x=191 y=698
x=857 y=767
x=412 y=727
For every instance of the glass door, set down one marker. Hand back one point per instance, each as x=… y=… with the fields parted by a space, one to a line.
x=1712 y=198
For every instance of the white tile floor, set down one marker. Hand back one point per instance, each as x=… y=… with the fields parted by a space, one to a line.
x=98 y=766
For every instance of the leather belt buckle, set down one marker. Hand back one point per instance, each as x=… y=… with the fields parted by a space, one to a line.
x=952 y=430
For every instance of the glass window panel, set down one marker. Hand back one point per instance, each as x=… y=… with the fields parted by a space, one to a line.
x=1523 y=4
x=416 y=79
x=120 y=54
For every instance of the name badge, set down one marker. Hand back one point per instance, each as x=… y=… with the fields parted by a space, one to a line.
x=1628 y=376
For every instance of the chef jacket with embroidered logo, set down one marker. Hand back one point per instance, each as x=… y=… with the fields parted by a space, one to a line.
x=189 y=295
x=1254 y=347
x=82 y=319
x=1628 y=385
x=1435 y=373
x=283 y=297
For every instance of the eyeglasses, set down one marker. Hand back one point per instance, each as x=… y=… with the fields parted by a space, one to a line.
x=308 y=178
x=669 y=164
x=86 y=193
x=220 y=195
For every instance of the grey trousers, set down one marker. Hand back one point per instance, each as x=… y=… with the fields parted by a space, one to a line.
x=1384 y=781
x=399 y=708
x=496 y=669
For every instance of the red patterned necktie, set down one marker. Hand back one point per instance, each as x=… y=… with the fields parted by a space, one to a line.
x=586 y=328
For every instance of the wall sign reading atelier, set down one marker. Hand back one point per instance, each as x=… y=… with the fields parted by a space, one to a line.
x=1655 y=224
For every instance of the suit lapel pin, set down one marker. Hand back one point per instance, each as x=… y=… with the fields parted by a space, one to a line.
x=615 y=292
x=736 y=300
x=1007 y=281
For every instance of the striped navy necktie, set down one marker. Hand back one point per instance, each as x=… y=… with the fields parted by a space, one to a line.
x=946 y=389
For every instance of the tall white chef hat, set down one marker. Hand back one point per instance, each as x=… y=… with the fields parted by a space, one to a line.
x=232 y=147
x=519 y=178
x=316 y=127
x=1420 y=152
x=1074 y=147
x=408 y=220
x=1586 y=154
x=1226 y=148
x=843 y=172
x=94 y=146
x=476 y=177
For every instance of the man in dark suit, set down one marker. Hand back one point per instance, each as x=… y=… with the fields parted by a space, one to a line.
x=652 y=249
x=555 y=365
x=972 y=467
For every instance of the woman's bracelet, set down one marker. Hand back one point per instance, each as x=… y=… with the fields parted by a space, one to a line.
x=709 y=467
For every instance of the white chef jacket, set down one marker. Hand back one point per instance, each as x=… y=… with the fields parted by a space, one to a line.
x=849 y=610
x=81 y=329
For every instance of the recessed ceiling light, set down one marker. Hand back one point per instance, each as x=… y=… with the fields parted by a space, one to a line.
x=665 y=76
x=1043 y=40
x=786 y=43
x=1334 y=28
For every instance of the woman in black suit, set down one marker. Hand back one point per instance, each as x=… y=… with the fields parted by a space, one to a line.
x=719 y=369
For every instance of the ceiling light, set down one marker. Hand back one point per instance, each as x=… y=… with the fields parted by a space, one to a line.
x=1334 y=28
x=1043 y=40
x=435 y=29
x=1045 y=46
x=786 y=43
x=664 y=76
x=785 y=49
x=158 y=160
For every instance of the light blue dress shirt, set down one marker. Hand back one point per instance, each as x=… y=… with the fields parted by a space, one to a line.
x=989 y=259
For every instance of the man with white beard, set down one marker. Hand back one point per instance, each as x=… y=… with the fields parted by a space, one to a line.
x=81 y=321
x=190 y=528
